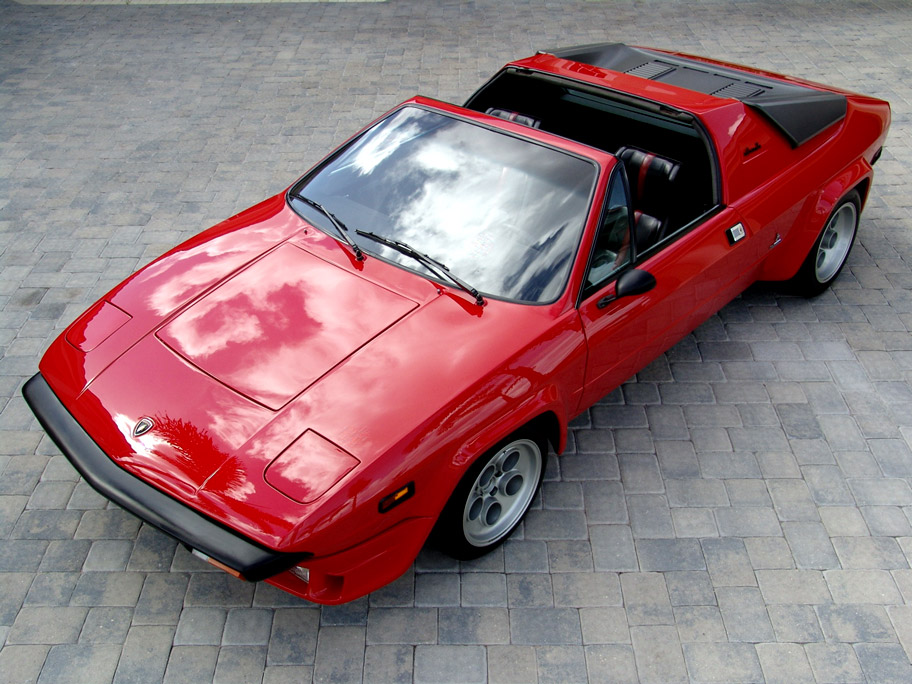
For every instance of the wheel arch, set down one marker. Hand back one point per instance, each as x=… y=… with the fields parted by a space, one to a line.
x=785 y=261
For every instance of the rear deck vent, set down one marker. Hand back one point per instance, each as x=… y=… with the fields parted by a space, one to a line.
x=650 y=70
x=739 y=91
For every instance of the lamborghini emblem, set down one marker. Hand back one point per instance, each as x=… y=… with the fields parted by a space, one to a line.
x=142 y=427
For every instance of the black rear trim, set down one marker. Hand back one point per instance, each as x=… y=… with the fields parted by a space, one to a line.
x=799 y=112
x=253 y=561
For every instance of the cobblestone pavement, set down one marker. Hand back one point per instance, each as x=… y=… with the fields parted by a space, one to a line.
x=739 y=512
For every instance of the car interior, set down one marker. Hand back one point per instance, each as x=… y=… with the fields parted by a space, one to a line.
x=667 y=158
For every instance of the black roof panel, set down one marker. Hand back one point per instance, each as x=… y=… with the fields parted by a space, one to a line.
x=799 y=112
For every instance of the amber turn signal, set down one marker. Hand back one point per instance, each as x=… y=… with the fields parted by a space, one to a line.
x=390 y=501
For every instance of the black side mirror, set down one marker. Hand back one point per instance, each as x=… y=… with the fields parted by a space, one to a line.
x=632 y=282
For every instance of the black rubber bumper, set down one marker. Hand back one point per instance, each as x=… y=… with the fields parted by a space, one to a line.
x=253 y=561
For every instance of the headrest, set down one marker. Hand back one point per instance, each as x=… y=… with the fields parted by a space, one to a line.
x=514 y=116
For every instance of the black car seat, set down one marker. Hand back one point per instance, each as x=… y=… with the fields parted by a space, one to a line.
x=652 y=191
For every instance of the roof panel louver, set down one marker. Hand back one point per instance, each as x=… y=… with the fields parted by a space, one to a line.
x=800 y=112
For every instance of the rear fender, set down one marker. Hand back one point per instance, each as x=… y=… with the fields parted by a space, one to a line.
x=788 y=256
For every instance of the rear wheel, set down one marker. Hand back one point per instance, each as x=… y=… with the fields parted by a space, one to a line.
x=492 y=497
x=831 y=249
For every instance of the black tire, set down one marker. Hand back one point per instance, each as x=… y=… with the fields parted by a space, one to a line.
x=831 y=249
x=492 y=497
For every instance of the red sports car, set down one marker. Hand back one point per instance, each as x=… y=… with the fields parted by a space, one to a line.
x=305 y=393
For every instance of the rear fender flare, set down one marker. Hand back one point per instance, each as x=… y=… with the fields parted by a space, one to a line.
x=790 y=254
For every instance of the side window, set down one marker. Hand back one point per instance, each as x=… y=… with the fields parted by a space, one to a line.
x=612 y=249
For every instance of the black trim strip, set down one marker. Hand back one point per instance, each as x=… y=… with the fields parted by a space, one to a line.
x=253 y=561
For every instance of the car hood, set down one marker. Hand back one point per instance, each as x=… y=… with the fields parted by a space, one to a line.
x=223 y=367
x=272 y=330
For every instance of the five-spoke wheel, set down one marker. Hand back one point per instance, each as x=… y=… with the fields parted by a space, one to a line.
x=831 y=250
x=492 y=497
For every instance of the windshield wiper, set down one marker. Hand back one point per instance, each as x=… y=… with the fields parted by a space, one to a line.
x=341 y=227
x=430 y=263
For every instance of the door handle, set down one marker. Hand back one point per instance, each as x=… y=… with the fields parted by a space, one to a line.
x=605 y=301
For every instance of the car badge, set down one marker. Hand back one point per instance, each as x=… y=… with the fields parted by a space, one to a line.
x=142 y=427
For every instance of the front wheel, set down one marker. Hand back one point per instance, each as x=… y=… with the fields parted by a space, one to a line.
x=831 y=250
x=492 y=497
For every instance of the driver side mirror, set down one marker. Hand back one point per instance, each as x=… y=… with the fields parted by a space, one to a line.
x=632 y=282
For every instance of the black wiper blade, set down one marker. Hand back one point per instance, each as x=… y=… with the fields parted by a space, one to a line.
x=434 y=266
x=341 y=227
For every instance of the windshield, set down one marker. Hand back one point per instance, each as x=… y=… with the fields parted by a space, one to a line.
x=503 y=213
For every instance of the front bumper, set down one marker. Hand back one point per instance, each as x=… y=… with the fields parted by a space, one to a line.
x=253 y=561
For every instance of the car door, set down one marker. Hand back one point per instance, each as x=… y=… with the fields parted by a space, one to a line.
x=627 y=323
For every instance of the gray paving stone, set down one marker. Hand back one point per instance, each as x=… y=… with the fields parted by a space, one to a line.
x=862 y=586
x=769 y=553
x=484 y=589
x=161 y=599
x=389 y=664
x=690 y=588
x=793 y=586
x=51 y=589
x=612 y=548
x=78 y=663
x=462 y=663
x=108 y=555
x=699 y=623
x=569 y=556
x=604 y=625
x=437 y=589
x=835 y=663
x=694 y=522
x=843 y=521
x=747 y=522
x=558 y=664
x=810 y=545
x=525 y=590
x=200 y=627
x=107 y=626
x=22 y=663
x=886 y=663
x=604 y=502
x=744 y=614
x=696 y=493
x=47 y=625
x=352 y=613
x=785 y=663
x=748 y=492
x=658 y=654
x=552 y=626
x=852 y=623
x=719 y=662
x=792 y=500
x=145 y=655
x=340 y=654
x=217 y=589
x=795 y=623
x=611 y=662
x=473 y=626
x=237 y=664
x=649 y=516
x=107 y=589
x=646 y=599
x=728 y=562
x=399 y=626
x=294 y=636
x=876 y=553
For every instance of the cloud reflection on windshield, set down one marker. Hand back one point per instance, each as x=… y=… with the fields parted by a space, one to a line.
x=501 y=212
